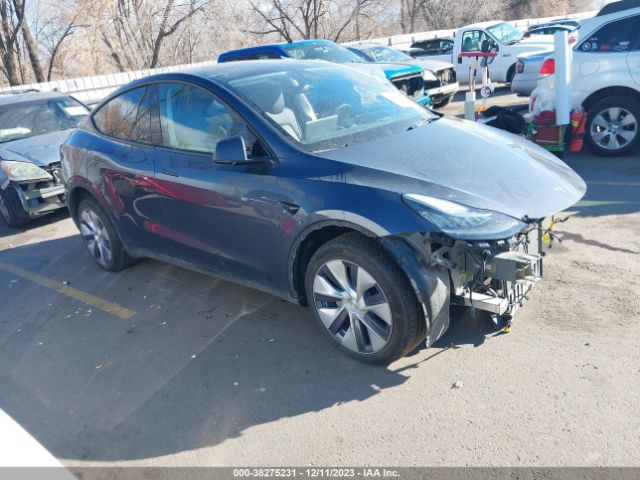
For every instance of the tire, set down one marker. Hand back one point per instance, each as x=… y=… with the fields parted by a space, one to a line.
x=443 y=103
x=107 y=251
x=511 y=73
x=11 y=209
x=344 y=279
x=604 y=132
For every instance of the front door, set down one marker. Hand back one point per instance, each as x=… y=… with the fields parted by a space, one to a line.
x=222 y=217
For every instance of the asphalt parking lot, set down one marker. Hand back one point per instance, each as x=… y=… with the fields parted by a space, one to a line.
x=157 y=365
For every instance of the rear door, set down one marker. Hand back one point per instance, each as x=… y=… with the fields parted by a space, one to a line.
x=123 y=164
x=633 y=59
x=608 y=52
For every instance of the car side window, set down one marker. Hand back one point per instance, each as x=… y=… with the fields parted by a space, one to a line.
x=618 y=36
x=127 y=116
x=446 y=46
x=195 y=120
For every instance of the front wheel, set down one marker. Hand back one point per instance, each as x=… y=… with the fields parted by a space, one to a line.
x=100 y=237
x=613 y=126
x=11 y=209
x=362 y=300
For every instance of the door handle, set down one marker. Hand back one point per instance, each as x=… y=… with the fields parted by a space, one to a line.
x=292 y=208
x=171 y=173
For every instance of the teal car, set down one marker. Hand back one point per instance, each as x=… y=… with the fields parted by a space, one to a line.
x=407 y=78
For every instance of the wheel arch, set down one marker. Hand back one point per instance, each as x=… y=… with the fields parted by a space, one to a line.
x=605 y=92
x=308 y=242
x=511 y=72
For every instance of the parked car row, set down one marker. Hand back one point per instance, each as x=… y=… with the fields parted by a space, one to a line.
x=424 y=82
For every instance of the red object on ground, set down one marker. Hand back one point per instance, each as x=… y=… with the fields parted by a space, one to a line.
x=548 y=132
x=578 y=122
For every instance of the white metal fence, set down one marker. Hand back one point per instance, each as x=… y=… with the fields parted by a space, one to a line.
x=405 y=40
x=91 y=90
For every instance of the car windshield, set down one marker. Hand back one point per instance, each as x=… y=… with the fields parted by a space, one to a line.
x=330 y=52
x=328 y=107
x=385 y=54
x=505 y=33
x=37 y=117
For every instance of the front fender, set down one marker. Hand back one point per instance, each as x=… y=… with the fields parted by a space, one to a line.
x=430 y=284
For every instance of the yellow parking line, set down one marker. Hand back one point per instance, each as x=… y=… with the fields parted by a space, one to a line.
x=112 y=308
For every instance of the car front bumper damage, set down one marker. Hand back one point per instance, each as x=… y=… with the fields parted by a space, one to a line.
x=495 y=276
x=38 y=197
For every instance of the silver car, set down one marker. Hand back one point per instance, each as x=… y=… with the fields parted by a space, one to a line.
x=33 y=125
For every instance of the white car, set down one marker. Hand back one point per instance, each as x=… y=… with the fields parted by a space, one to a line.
x=439 y=77
x=605 y=77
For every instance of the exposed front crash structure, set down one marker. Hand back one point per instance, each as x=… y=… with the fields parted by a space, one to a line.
x=493 y=276
x=39 y=195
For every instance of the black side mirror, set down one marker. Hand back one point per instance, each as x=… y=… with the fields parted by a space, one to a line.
x=232 y=151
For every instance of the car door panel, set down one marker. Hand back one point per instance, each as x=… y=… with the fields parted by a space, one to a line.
x=222 y=217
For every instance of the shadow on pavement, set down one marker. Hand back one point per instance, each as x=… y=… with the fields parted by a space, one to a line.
x=613 y=184
x=45 y=220
x=200 y=362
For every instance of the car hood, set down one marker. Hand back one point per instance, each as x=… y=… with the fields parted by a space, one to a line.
x=461 y=161
x=393 y=70
x=41 y=149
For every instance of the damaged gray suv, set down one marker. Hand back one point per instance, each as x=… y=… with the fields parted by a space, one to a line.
x=323 y=186
x=33 y=125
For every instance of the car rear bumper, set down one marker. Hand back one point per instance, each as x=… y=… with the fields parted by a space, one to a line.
x=524 y=83
x=444 y=91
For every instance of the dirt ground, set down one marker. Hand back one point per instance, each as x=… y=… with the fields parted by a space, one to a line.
x=157 y=365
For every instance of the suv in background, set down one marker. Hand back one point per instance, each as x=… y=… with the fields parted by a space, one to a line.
x=33 y=125
x=605 y=77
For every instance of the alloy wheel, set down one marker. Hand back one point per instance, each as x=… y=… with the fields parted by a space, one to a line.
x=96 y=237
x=352 y=306
x=614 y=128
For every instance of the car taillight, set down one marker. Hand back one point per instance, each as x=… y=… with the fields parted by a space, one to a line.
x=519 y=66
x=548 y=67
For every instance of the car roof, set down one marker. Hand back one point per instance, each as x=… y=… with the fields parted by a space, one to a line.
x=271 y=47
x=484 y=24
x=14 y=98
x=366 y=46
x=222 y=73
x=615 y=7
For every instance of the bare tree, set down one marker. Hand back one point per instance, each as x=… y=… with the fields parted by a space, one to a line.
x=305 y=19
x=135 y=31
x=9 y=47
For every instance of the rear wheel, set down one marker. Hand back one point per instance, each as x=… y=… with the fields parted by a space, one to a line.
x=11 y=209
x=613 y=126
x=100 y=237
x=363 y=301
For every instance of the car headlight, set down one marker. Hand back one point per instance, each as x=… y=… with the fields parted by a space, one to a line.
x=20 y=171
x=429 y=76
x=460 y=221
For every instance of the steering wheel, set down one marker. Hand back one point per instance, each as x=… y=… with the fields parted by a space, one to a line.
x=345 y=115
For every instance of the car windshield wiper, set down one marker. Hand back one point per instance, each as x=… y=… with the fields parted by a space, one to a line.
x=419 y=123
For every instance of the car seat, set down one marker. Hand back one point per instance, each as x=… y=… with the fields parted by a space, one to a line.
x=271 y=101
